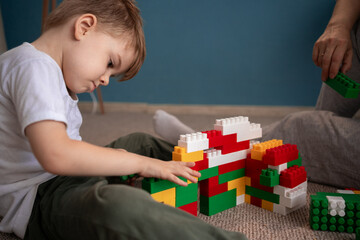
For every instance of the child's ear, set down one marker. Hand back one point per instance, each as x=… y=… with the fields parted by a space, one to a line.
x=84 y=24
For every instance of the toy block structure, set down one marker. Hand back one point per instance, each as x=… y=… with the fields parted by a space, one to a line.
x=235 y=169
x=338 y=212
x=344 y=85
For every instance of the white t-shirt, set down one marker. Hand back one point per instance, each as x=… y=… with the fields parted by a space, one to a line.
x=32 y=89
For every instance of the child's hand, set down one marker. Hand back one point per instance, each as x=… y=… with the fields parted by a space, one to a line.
x=169 y=170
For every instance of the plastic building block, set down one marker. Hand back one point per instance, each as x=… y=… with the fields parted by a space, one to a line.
x=180 y=154
x=358 y=233
x=345 y=191
x=283 y=210
x=208 y=173
x=186 y=195
x=201 y=165
x=216 y=138
x=292 y=176
x=279 y=168
x=240 y=199
x=259 y=150
x=281 y=154
x=247 y=181
x=271 y=197
x=269 y=177
x=267 y=205
x=336 y=206
x=239 y=125
x=320 y=212
x=256 y=201
x=344 y=85
x=234 y=147
x=223 y=201
x=194 y=142
x=226 y=177
x=211 y=187
x=153 y=185
x=228 y=167
x=238 y=184
x=166 y=196
x=298 y=162
x=216 y=158
x=190 y=208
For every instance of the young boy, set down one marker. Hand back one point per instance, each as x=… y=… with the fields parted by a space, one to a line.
x=85 y=42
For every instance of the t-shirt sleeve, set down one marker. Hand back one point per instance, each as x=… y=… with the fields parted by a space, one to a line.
x=36 y=89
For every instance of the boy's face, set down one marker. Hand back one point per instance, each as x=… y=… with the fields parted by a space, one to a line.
x=91 y=61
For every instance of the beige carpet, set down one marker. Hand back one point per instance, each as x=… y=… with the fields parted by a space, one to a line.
x=255 y=222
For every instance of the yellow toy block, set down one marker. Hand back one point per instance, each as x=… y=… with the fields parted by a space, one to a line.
x=247 y=198
x=180 y=154
x=166 y=196
x=247 y=181
x=356 y=192
x=267 y=205
x=259 y=149
x=239 y=184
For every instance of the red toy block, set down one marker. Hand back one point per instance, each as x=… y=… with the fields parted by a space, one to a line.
x=234 y=147
x=254 y=167
x=255 y=201
x=229 y=167
x=211 y=187
x=201 y=165
x=216 y=138
x=281 y=154
x=190 y=208
x=292 y=176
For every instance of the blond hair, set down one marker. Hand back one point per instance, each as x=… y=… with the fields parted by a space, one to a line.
x=118 y=17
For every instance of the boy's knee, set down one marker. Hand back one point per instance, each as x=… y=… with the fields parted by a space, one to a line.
x=119 y=203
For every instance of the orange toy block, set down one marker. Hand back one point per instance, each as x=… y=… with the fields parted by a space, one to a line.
x=239 y=184
x=267 y=205
x=166 y=196
x=181 y=155
x=259 y=149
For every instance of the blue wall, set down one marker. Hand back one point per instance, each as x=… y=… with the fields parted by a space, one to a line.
x=237 y=52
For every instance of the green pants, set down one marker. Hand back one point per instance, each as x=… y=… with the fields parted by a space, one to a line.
x=92 y=208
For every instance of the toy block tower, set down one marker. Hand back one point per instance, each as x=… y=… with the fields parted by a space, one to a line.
x=230 y=166
x=275 y=179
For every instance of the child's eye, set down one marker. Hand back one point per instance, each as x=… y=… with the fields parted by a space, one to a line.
x=110 y=63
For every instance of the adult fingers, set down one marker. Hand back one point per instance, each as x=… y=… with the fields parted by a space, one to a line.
x=336 y=60
x=347 y=60
x=326 y=61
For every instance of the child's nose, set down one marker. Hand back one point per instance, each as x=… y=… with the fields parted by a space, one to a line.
x=104 y=80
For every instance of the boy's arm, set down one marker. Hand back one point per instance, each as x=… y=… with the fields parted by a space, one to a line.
x=60 y=155
x=334 y=47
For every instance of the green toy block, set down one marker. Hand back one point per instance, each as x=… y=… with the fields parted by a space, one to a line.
x=186 y=195
x=320 y=218
x=269 y=177
x=295 y=162
x=208 y=173
x=268 y=196
x=153 y=185
x=226 y=177
x=344 y=85
x=218 y=203
x=358 y=233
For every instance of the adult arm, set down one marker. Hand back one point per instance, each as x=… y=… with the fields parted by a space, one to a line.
x=60 y=155
x=334 y=49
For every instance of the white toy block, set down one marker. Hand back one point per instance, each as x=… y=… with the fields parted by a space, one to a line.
x=279 y=168
x=277 y=208
x=252 y=143
x=284 y=191
x=336 y=206
x=255 y=131
x=293 y=201
x=345 y=191
x=240 y=199
x=194 y=142
x=216 y=158
x=232 y=125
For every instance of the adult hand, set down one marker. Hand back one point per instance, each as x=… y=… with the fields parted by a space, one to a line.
x=333 y=50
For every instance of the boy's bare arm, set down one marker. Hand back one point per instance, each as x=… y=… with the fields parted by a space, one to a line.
x=60 y=155
x=334 y=49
